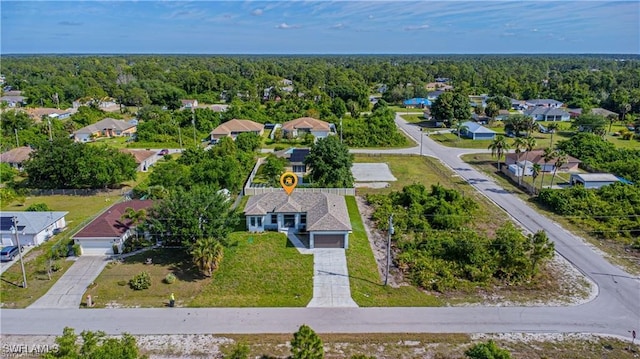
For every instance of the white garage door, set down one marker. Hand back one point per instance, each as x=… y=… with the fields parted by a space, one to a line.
x=96 y=248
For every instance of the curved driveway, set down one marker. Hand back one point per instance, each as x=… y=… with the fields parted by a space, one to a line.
x=615 y=310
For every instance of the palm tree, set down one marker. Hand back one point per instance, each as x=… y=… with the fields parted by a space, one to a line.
x=535 y=171
x=518 y=146
x=135 y=217
x=529 y=144
x=459 y=126
x=547 y=156
x=498 y=147
x=561 y=159
x=207 y=254
x=552 y=128
x=530 y=123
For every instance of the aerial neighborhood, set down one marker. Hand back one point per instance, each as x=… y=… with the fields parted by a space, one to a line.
x=267 y=182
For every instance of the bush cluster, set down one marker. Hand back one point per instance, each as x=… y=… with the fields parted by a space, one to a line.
x=141 y=281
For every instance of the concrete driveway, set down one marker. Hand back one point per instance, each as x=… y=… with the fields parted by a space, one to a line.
x=330 y=279
x=68 y=290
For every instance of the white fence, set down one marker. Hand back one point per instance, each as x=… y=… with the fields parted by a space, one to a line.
x=252 y=191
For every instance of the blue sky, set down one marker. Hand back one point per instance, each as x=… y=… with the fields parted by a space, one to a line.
x=320 y=27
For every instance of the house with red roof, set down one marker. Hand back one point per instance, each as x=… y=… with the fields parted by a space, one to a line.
x=107 y=233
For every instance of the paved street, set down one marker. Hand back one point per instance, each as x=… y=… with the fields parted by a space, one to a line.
x=615 y=310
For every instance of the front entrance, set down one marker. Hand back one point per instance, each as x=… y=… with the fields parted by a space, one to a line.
x=328 y=241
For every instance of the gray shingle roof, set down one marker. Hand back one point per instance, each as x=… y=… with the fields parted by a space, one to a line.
x=325 y=211
x=547 y=111
x=107 y=123
x=29 y=222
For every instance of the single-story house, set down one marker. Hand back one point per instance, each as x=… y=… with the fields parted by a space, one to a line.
x=46 y=112
x=219 y=108
x=233 y=128
x=518 y=105
x=104 y=103
x=108 y=127
x=575 y=112
x=323 y=216
x=109 y=229
x=144 y=158
x=16 y=157
x=502 y=115
x=541 y=113
x=189 y=104
x=537 y=156
x=304 y=125
x=416 y=102
x=295 y=161
x=34 y=228
x=433 y=95
x=476 y=131
x=546 y=102
x=14 y=101
x=592 y=180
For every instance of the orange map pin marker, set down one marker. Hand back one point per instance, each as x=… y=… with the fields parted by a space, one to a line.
x=288 y=181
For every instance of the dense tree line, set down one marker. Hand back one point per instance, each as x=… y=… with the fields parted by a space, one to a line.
x=579 y=81
x=63 y=163
x=598 y=154
x=377 y=129
x=608 y=212
x=438 y=251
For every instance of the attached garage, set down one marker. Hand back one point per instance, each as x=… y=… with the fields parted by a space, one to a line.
x=95 y=247
x=329 y=240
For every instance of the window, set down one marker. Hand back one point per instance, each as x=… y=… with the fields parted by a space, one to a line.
x=253 y=221
x=289 y=220
x=259 y=221
x=274 y=219
x=303 y=218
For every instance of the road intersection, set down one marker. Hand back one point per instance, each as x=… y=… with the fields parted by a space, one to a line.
x=614 y=311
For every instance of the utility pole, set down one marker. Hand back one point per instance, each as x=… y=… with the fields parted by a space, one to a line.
x=50 y=137
x=17 y=140
x=180 y=137
x=421 y=135
x=15 y=231
x=390 y=232
x=340 y=129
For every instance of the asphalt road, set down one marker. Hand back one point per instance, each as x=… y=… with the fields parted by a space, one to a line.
x=614 y=311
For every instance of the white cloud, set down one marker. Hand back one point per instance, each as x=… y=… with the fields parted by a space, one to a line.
x=416 y=27
x=257 y=12
x=284 y=25
x=338 y=26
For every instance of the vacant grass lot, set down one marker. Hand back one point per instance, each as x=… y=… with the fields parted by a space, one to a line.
x=262 y=270
x=366 y=287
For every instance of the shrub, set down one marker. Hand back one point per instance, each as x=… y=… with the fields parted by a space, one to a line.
x=116 y=250
x=170 y=278
x=77 y=250
x=141 y=281
x=487 y=350
x=55 y=266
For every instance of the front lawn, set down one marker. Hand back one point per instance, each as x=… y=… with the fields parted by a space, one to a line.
x=262 y=270
x=367 y=288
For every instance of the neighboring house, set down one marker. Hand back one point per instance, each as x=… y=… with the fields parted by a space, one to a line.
x=41 y=112
x=433 y=95
x=16 y=156
x=189 y=104
x=502 y=115
x=592 y=180
x=233 y=128
x=34 y=228
x=537 y=156
x=416 y=102
x=432 y=86
x=219 y=108
x=575 y=112
x=109 y=229
x=476 y=131
x=107 y=127
x=295 y=161
x=518 y=105
x=144 y=158
x=323 y=216
x=541 y=113
x=14 y=100
x=105 y=103
x=543 y=103
x=303 y=125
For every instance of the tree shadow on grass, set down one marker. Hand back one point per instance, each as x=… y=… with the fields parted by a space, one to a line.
x=177 y=260
x=12 y=283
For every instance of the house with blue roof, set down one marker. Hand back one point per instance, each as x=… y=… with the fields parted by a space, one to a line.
x=417 y=102
x=476 y=131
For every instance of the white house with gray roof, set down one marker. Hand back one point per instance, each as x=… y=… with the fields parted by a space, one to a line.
x=323 y=216
x=548 y=114
x=34 y=228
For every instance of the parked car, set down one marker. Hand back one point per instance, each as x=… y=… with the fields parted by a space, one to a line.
x=163 y=152
x=8 y=253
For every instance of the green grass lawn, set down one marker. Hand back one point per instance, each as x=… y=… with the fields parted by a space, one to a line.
x=413 y=118
x=81 y=209
x=367 y=288
x=263 y=270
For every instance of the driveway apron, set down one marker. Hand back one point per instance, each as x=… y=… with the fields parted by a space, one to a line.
x=68 y=290
x=330 y=279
